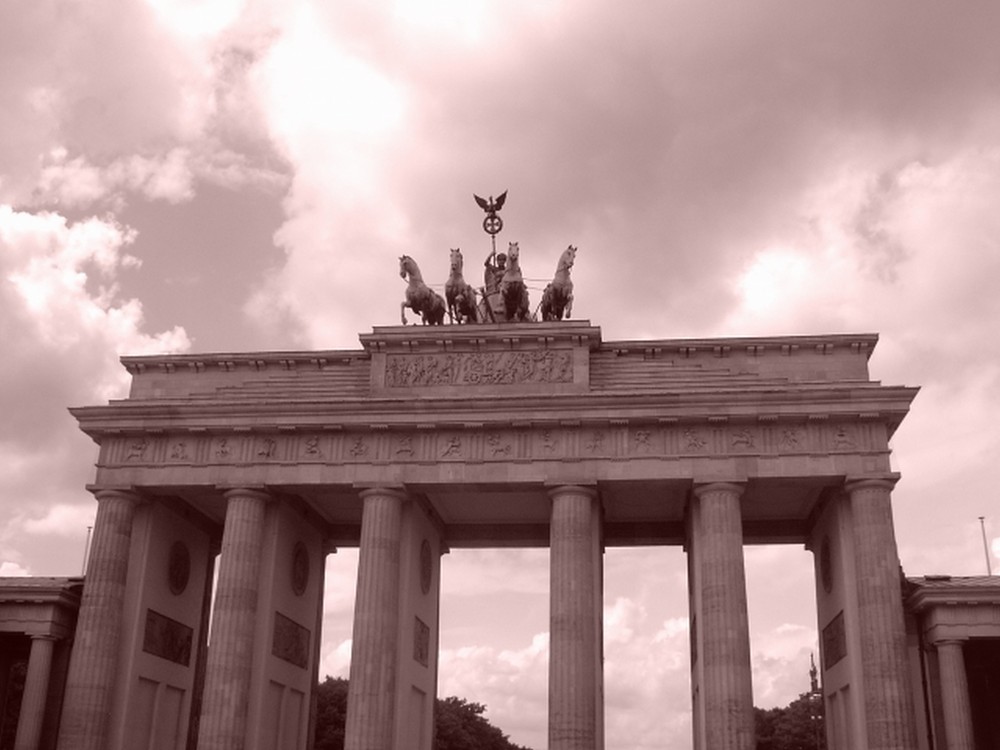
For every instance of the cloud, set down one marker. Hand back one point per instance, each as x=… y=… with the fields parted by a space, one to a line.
x=12 y=570
x=737 y=169
x=511 y=683
x=63 y=325
x=59 y=520
x=106 y=102
x=704 y=133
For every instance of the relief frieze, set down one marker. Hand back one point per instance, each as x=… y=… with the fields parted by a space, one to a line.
x=479 y=368
x=694 y=440
x=137 y=450
x=742 y=439
x=642 y=442
x=311 y=447
x=489 y=444
x=452 y=448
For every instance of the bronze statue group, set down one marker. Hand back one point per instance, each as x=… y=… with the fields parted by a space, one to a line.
x=503 y=298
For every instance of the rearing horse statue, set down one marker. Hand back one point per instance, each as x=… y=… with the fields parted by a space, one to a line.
x=460 y=294
x=557 y=299
x=419 y=297
x=512 y=288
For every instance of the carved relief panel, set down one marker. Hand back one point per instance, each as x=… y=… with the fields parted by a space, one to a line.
x=616 y=440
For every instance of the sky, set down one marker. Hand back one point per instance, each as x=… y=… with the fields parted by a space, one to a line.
x=240 y=175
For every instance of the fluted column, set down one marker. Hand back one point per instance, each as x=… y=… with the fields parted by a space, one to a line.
x=372 y=692
x=888 y=701
x=575 y=648
x=93 y=666
x=36 y=689
x=726 y=682
x=234 y=618
x=958 y=730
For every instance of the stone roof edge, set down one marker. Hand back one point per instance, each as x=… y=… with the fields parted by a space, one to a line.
x=937 y=590
x=40 y=588
x=862 y=342
x=887 y=404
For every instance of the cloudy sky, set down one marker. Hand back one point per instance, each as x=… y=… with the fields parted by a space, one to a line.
x=205 y=175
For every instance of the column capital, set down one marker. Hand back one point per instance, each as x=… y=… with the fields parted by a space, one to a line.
x=397 y=491
x=883 y=482
x=110 y=493
x=556 y=490
x=702 y=488
x=948 y=641
x=257 y=491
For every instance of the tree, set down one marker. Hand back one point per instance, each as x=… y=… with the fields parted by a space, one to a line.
x=331 y=713
x=797 y=726
x=458 y=724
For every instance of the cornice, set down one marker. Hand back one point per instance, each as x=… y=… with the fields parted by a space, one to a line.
x=472 y=338
x=481 y=337
x=64 y=592
x=950 y=592
x=861 y=403
x=229 y=361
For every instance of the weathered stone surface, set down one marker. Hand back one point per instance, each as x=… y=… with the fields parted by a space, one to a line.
x=468 y=429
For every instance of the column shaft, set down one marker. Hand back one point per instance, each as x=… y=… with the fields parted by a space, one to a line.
x=575 y=633
x=36 y=689
x=372 y=692
x=888 y=701
x=726 y=686
x=234 y=616
x=958 y=730
x=93 y=666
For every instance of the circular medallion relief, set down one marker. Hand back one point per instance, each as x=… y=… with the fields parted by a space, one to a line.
x=300 y=569
x=826 y=565
x=178 y=567
x=426 y=566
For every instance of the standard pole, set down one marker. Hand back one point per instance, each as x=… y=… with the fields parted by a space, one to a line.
x=986 y=546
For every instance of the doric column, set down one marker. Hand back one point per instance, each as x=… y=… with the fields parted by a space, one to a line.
x=93 y=665
x=575 y=632
x=234 y=618
x=726 y=682
x=955 y=696
x=36 y=689
x=370 y=709
x=888 y=701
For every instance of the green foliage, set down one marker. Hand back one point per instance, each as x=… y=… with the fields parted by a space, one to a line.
x=458 y=724
x=331 y=713
x=797 y=726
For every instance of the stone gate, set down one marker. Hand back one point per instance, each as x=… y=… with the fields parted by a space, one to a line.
x=430 y=438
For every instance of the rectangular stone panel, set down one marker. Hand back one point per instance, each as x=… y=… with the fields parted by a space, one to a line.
x=511 y=368
x=290 y=641
x=834 y=641
x=167 y=638
x=421 y=642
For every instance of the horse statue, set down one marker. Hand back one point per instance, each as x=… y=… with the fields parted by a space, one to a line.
x=512 y=288
x=459 y=293
x=557 y=299
x=419 y=297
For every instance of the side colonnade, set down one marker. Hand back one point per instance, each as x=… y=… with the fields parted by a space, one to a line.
x=141 y=675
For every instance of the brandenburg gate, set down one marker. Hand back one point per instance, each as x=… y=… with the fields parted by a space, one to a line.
x=432 y=438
